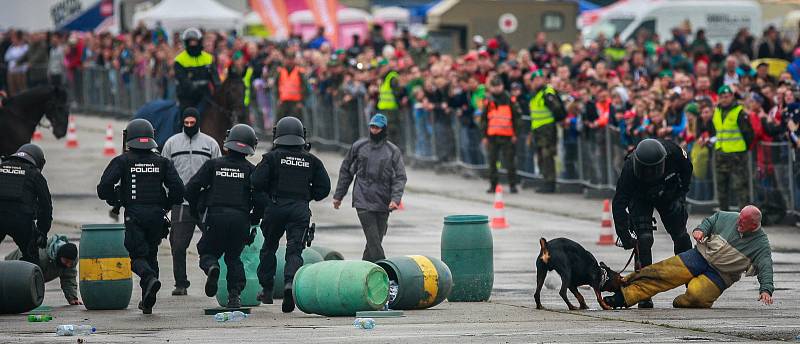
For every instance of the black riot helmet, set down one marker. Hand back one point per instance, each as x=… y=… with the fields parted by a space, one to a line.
x=289 y=132
x=241 y=138
x=140 y=135
x=31 y=153
x=649 y=160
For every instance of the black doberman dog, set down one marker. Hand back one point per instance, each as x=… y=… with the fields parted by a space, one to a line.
x=577 y=267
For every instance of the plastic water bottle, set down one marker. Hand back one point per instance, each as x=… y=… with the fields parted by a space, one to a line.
x=75 y=330
x=39 y=317
x=364 y=323
x=230 y=316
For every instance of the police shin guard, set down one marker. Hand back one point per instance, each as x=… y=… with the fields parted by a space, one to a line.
x=645 y=241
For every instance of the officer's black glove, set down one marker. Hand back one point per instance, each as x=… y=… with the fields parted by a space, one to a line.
x=41 y=239
x=252 y=237
x=625 y=240
x=165 y=229
x=255 y=219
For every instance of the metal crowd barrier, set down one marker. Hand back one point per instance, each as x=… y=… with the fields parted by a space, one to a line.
x=588 y=158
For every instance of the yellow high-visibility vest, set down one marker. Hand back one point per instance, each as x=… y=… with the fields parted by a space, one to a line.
x=386 y=100
x=729 y=135
x=540 y=114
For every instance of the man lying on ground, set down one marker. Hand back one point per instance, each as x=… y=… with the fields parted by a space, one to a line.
x=728 y=244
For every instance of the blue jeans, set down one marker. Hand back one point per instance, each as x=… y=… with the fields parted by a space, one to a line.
x=424 y=131
x=470 y=145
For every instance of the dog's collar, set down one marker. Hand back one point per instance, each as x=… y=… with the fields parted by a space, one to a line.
x=603 y=277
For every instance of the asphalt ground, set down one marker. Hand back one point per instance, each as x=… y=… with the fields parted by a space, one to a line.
x=510 y=316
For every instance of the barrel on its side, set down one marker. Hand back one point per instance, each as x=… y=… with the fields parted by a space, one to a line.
x=328 y=253
x=422 y=281
x=467 y=251
x=340 y=287
x=309 y=257
x=105 y=267
x=21 y=286
x=250 y=260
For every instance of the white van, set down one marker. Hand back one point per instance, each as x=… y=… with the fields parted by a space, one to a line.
x=721 y=19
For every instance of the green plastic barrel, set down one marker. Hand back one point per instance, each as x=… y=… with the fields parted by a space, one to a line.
x=340 y=287
x=327 y=253
x=467 y=251
x=422 y=281
x=105 y=267
x=250 y=260
x=21 y=286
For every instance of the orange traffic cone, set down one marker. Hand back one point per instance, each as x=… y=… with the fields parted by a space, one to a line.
x=72 y=136
x=606 y=232
x=108 y=147
x=499 y=218
x=37 y=135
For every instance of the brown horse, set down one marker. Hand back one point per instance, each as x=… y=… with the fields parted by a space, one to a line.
x=20 y=115
x=225 y=108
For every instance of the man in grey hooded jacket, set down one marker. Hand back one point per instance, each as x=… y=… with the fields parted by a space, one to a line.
x=188 y=150
x=58 y=260
x=376 y=164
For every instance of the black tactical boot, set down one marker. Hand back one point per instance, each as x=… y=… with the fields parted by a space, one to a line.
x=211 y=280
x=265 y=296
x=234 y=301
x=646 y=304
x=149 y=295
x=179 y=291
x=491 y=189
x=513 y=189
x=288 y=300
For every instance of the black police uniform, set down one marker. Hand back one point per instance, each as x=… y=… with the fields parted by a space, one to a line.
x=291 y=178
x=227 y=204
x=24 y=197
x=635 y=200
x=141 y=174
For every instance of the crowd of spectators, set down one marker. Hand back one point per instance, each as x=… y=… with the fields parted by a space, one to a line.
x=650 y=86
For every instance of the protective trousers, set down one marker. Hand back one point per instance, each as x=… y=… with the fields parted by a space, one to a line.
x=20 y=228
x=673 y=215
x=731 y=182
x=704 y=285
x=180 y=237
x=374 y=224
x=498 y=145
x=289 y=108
x=291 y=217
x=546 y=147
x=144 y=229
x=225 y=234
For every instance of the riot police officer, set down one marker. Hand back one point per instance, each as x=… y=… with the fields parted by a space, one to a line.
x=142 y=175
x=25 y=204
x=226 y=207
x=290 y=177
x=656 y=175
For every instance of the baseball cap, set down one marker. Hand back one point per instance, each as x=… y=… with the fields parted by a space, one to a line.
x=379 y=120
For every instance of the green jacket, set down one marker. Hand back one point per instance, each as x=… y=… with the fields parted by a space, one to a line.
x=733 y=253
x=51 y=269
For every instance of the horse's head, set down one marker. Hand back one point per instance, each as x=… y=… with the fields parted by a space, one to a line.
x=232 y=93
x=56 y=110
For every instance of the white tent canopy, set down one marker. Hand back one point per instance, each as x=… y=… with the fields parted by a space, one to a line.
x=391 y=13
x=180 y=14
x=253 y=18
